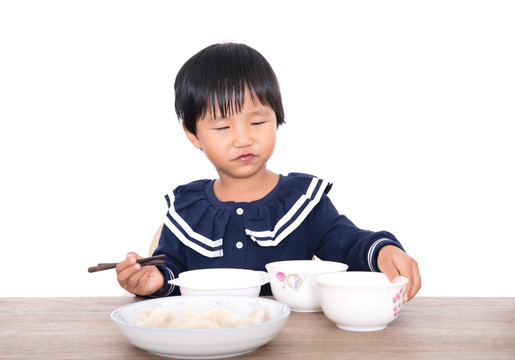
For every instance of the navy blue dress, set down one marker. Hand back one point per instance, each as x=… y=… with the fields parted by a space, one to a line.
x=295 y=221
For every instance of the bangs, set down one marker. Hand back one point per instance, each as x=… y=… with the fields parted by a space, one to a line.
x=219 y=77
x=228 y=98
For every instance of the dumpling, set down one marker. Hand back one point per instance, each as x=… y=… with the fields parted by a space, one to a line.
x=257 y=316
x=186 y=315
x=188 y=318
x=159 y=317
x=260 y=315
x=144 y=314
x=225 y=318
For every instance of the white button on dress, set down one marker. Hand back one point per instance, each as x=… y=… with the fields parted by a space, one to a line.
x=239 y=244
x=239 y=211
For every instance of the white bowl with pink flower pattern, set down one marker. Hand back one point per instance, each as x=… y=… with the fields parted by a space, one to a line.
x=293 y=282
x=359 y=300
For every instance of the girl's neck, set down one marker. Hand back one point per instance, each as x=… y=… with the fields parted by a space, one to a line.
x=245 y=189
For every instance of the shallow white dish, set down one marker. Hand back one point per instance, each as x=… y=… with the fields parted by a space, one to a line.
x=360 y=300
x=221 y=281
x=206 y=343
x=293 y=282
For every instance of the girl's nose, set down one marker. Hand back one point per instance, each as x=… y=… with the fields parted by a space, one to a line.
x=242 y=137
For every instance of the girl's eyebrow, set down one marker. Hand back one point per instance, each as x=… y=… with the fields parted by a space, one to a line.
x=261 y=112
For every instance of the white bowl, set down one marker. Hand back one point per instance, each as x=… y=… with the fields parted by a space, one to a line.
x=206 y=343
x=360 y=301
x=221 y=281
x=293 y=282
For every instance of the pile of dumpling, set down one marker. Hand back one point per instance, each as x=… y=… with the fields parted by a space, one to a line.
x=188 y=318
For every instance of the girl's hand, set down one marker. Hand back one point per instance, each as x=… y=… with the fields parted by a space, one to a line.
x=394 y=262
x=137 y=279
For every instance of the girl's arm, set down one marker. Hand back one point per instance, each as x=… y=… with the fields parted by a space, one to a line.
x=363 y=250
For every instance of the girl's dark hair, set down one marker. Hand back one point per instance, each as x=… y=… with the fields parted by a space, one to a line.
x=217 y=77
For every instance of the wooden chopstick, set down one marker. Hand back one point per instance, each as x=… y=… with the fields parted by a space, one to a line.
x=153 y=260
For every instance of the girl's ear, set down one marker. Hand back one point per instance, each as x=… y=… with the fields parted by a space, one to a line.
x=192 y=137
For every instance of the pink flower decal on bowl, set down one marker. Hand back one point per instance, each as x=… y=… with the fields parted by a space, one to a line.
x=281 y=277
x=293 y=281
x=397 y=303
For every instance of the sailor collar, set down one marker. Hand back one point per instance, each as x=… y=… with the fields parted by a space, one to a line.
x=199 y=220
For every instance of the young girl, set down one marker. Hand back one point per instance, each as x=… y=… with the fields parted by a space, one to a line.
x=228 y=99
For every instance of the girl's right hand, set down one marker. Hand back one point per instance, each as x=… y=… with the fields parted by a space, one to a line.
x=137 y=279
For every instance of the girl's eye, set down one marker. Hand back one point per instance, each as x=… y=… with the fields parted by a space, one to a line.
x=258 y=123
x=221 y=128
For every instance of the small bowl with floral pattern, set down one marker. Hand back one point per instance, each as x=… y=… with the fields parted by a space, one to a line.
x=361 y=300
x=293 y=282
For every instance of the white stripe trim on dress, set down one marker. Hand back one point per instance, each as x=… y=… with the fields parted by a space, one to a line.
x=288 y=215
x=300 y=218
x=191 y=244
x=172 y=276
x=191 y=233
x=371 y=253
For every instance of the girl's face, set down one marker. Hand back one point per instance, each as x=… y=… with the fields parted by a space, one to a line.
x=240 y=144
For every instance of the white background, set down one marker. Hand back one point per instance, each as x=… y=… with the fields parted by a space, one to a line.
x=406 y=106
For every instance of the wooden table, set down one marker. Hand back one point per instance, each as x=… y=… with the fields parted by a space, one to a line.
x=427 y=328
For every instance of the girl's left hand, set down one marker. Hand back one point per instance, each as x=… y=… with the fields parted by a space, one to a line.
x=394 y=262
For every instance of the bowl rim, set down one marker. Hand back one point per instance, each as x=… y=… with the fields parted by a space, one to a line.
x=308 y=271
x=322 y=279
x=221 y=269
x=284 y=314
x=260 y=278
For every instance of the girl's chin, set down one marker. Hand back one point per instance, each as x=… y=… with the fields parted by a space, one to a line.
x=244 y=172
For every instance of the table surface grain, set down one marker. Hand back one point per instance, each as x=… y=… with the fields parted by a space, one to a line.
x=427 y=328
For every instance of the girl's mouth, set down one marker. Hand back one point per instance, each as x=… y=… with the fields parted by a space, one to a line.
x=245 y=157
